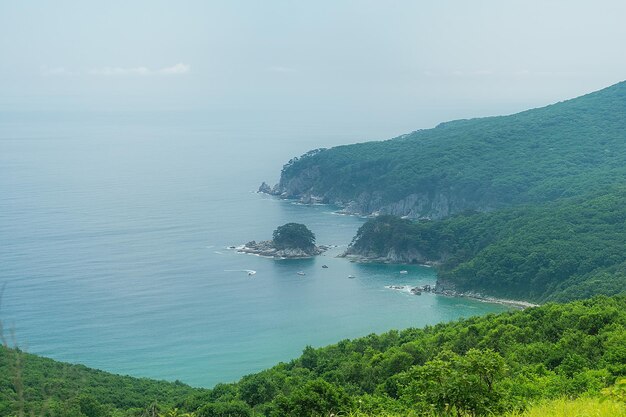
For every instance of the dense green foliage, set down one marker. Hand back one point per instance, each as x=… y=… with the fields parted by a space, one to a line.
x=41 y=386
x=555 y=230
x=472 y=367
x=476 y=366
x=573 y=248
x=293 y=235
x=533 y=156
x=562 y=407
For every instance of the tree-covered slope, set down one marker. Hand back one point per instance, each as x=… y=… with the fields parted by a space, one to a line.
x=474 y=367
x=569 y=249
x=32 y=385
x=479 y=164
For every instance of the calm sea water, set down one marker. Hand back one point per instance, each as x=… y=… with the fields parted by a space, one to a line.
x=113 y=236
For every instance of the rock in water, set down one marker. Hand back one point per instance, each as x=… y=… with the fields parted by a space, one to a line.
x=265 y=188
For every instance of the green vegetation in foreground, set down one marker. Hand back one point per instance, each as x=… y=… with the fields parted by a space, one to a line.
x=480 y=366
x=571 y=249
x=582 y=407
x=563 y=407
x=44 y=387
x=293 y=236
x=482 y=164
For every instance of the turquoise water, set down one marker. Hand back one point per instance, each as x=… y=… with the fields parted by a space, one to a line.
x=114 y=230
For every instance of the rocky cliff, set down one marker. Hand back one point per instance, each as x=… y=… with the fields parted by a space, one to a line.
x=420 y=205
x=391 y=255
x=480 y=165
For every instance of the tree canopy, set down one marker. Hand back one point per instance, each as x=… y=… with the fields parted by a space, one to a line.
x=480 y=366
x=538 y=155
x=570 y=249
x=293 y=236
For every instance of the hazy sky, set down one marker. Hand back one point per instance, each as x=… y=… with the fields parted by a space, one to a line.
x=409 y=64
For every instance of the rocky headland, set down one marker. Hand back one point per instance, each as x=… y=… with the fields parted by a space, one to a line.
x=392 y=256
x=417 y=205
x=414 y=206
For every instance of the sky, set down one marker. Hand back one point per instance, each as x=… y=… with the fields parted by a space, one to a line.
x=399 y=64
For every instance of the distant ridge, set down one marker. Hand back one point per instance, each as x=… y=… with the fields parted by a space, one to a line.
x=538 y=155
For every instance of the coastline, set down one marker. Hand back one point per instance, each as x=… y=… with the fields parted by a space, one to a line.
x=518 y=304
x=341 y=208
x=431 y=289
x=386 y=260
x=436 y=289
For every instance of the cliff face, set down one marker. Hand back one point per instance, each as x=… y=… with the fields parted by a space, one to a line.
x=471 y=165
x=409 y=256
x=419 y=205
x=435 y=205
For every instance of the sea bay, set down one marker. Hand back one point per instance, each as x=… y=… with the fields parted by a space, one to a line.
x=114 y=230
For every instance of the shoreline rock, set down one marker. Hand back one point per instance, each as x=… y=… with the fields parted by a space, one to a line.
x=388 y=260
x=421 y=205
x=440 y=290
x=441 y=287
x=267 y=248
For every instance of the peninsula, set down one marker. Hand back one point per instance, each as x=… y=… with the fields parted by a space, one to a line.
x=529 y=206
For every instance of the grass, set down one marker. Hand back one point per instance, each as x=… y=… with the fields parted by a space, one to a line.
x=581 y=407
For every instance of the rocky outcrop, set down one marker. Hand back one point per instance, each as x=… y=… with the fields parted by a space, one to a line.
x=425 y=205
x=267 y=248
x=411 y=256
x=435 y=205
x=265 y=188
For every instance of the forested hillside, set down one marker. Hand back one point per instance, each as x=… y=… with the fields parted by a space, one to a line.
x=480 y=164
x=34 y=386
x=570 y=249
x=473 y=367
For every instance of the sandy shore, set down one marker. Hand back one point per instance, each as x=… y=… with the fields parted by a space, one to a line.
x=522 y=305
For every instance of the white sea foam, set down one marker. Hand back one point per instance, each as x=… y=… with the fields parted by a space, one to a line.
x=248 y=271
x=402 y=288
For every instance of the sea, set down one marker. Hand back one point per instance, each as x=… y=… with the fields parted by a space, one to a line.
x=115 y=230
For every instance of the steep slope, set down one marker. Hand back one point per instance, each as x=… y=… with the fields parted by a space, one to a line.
x=475 y=367
x=480 y=366
x=32 y=385
x=479 y=164
x=568 y=249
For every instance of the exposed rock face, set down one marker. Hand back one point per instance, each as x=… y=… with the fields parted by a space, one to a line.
x=430 y=205
x=265 y=188
x=416 y=206
x=298 y=186
x=410 y=256
x=267 y=248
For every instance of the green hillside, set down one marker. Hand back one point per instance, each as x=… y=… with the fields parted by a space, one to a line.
x=37 y=386
x=570 y=249
x=473 y=367
x=480 y=164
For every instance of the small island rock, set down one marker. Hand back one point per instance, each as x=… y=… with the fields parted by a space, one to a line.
x=265 y=188
x=292 y=240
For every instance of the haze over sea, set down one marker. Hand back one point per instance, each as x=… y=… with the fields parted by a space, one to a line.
x=113 y=236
